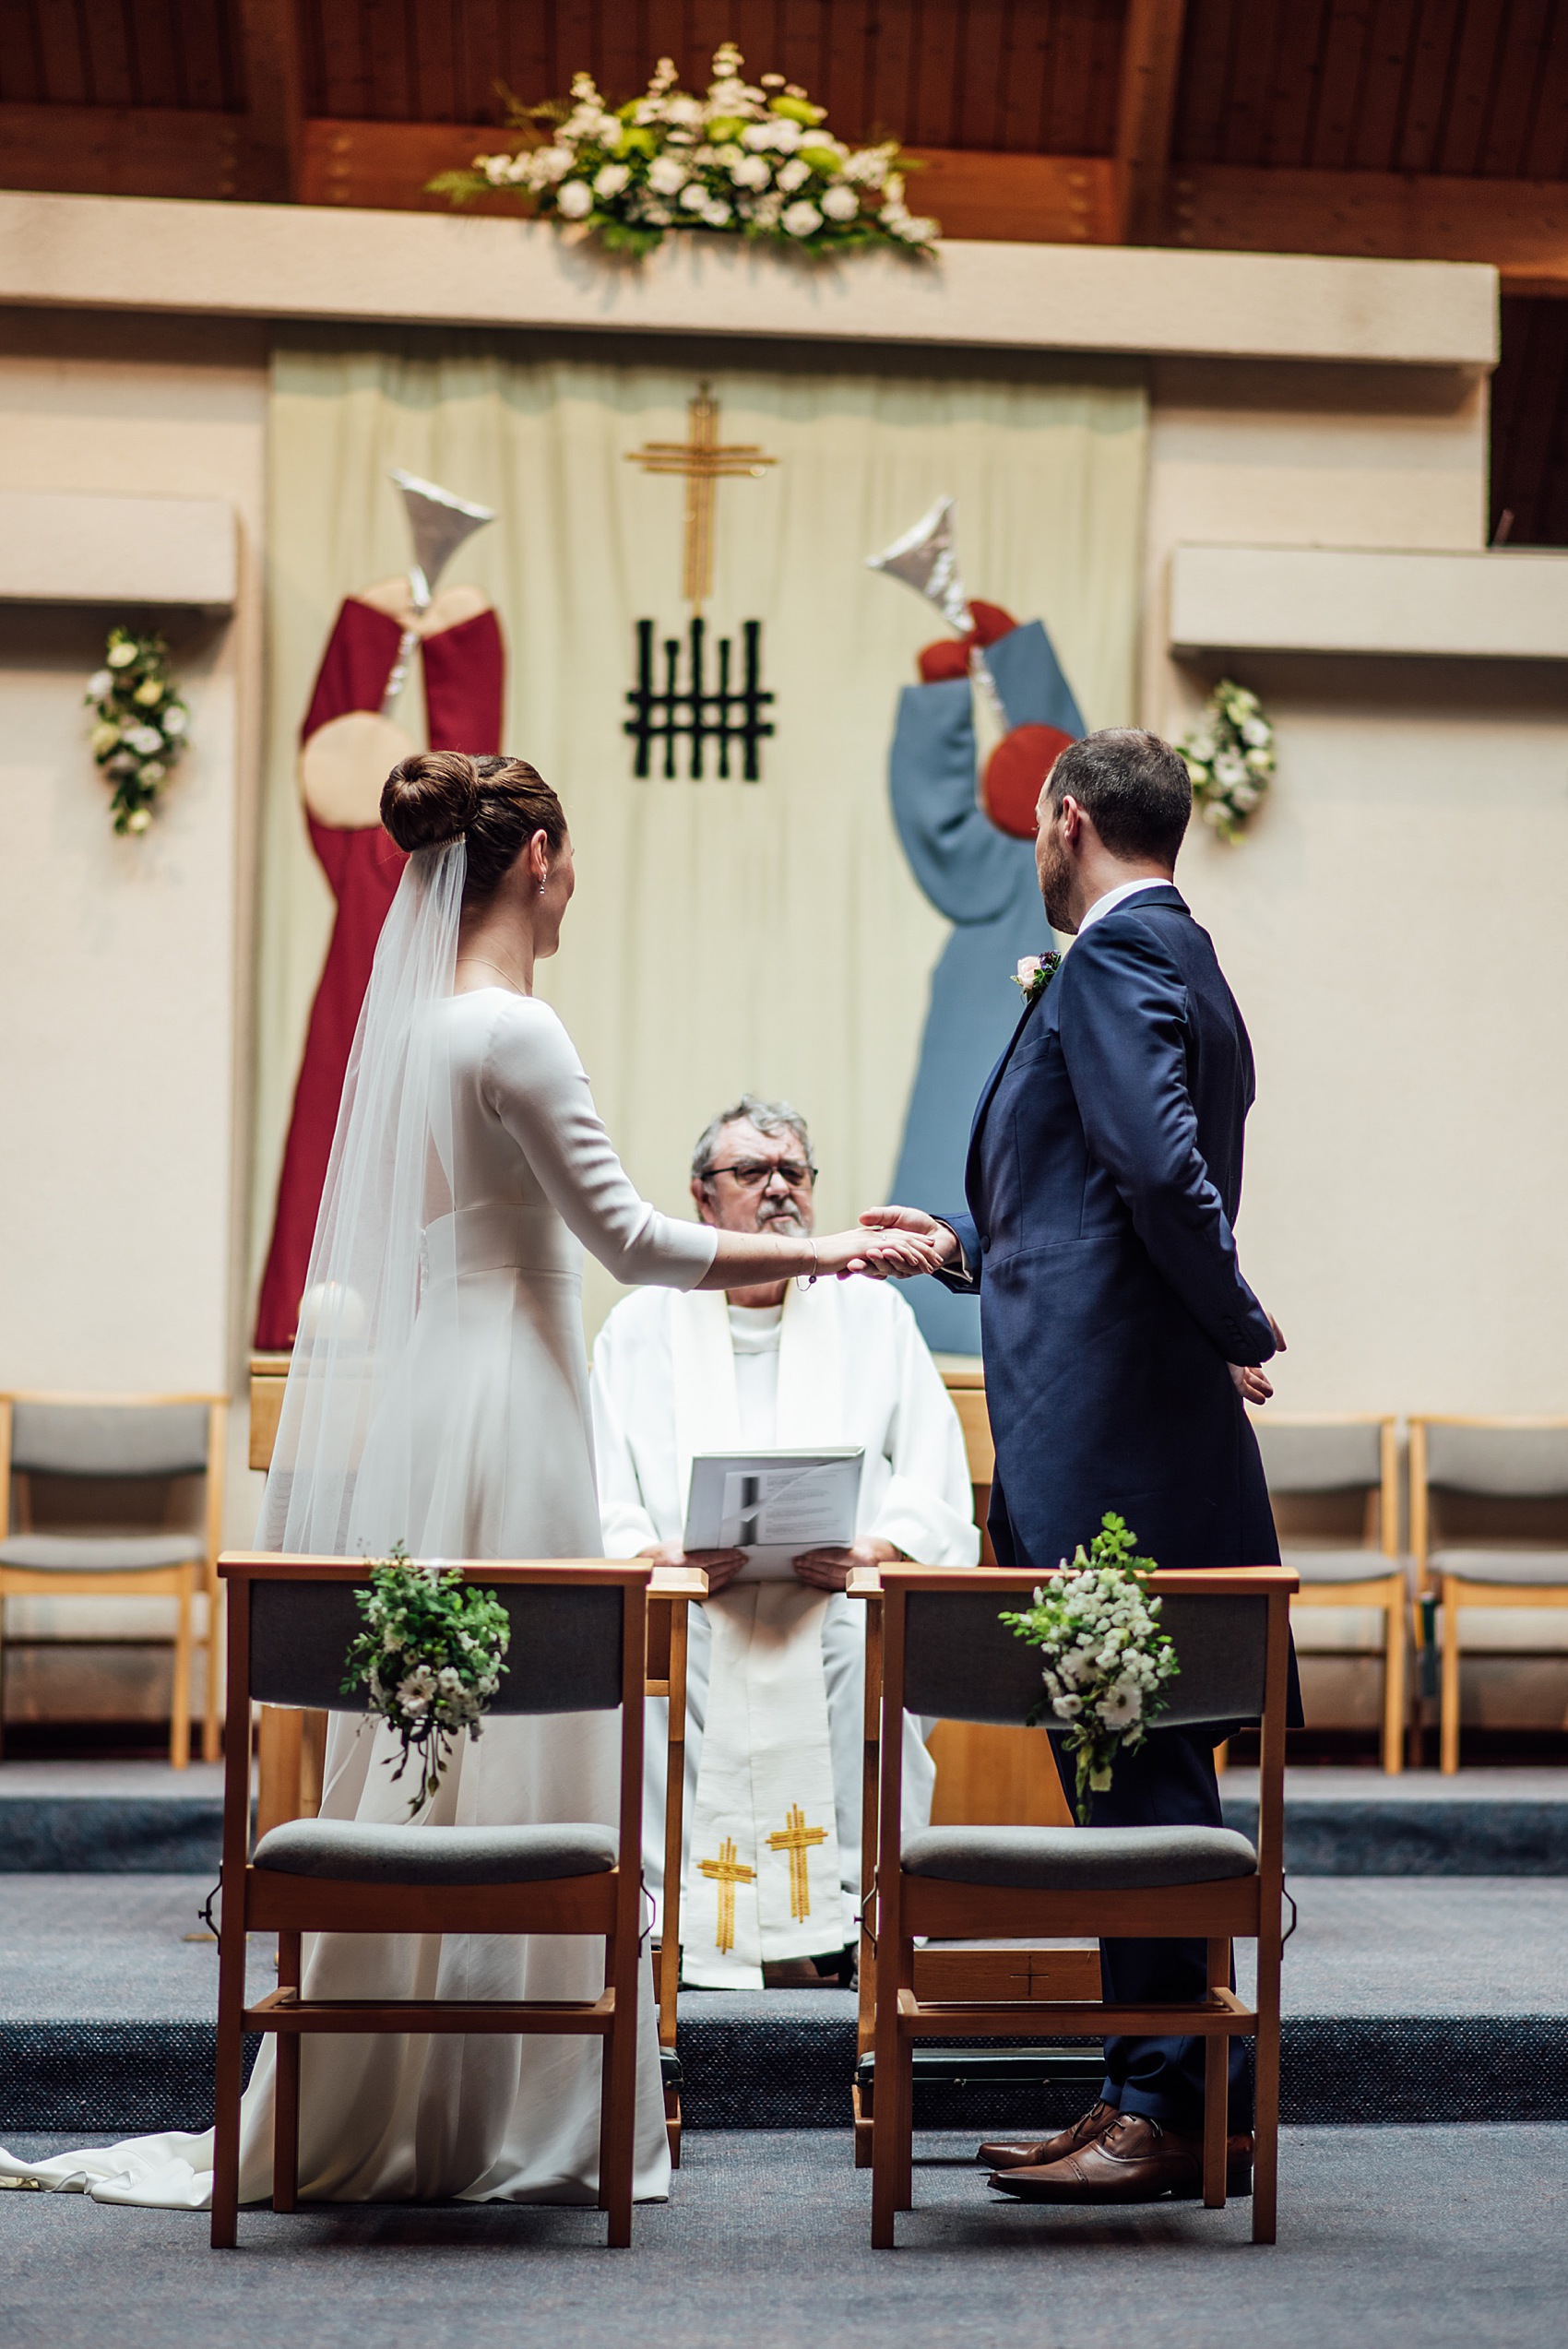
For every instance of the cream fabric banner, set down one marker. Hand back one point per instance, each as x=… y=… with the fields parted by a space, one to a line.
x=727 y=935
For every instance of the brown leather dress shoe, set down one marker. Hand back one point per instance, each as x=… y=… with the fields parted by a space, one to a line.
x=1039 y=2153
x=1135 y=2160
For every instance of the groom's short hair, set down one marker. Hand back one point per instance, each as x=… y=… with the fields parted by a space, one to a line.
x=1134 y=787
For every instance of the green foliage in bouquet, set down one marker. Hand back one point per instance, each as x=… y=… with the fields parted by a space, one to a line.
x=142 y=726
x=1106 y=1658
x=747 y=159
x=428 y=1660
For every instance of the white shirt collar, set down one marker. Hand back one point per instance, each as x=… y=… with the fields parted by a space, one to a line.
x=1114 y=898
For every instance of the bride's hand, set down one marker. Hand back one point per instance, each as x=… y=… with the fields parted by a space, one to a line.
x=906 y=1223
x=891 y=1255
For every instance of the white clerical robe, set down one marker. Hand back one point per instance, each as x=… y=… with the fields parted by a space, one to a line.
x=839 y=1363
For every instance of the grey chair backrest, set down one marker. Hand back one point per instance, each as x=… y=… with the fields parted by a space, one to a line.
x=109 y=1439
x=1520 y=1464
x=564 y=1654
x=962 y=1663
x=1331 y=1459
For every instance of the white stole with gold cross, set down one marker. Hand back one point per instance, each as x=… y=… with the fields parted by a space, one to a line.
x=763 y=1880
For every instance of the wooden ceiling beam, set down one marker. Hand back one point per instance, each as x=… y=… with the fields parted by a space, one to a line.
x=1520 y=226
x=273 y=125
x=1145 y=116
x=121 y=150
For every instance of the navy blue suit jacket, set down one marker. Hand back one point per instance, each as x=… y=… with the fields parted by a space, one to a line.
x=1103 y=1178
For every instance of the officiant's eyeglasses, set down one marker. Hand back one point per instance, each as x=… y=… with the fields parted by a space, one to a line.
x=752 y=1173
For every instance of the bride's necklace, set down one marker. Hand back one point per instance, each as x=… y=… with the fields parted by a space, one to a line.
x=504 y=970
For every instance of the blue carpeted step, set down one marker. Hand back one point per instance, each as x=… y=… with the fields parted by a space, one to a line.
x=113 y=1819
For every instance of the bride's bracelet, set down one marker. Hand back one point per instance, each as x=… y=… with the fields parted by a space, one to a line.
x=808 y=1280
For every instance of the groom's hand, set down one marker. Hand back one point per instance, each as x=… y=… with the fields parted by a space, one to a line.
x=939 y=1237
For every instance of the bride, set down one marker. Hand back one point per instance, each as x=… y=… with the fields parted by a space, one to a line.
x=438 y=1397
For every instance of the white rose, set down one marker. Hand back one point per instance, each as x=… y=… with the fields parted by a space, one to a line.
x=915 y=230
x=610 y=132
x=759 y=136
x=666 y=175
x=793 y=175
x=787 y=136
x=610 y=178
x=139 y=821
x=497 y=169
x=574 y=201
x=718 y=214
x=1256 y=730
x=146 y=740
x=154 y=771
x=800 y=219
x=840 y=203
x=693 y=196
x=766 y=209
x=102 y=682
x=550 y=164
x=174 y=720
x=751 y=171
x=121 y=656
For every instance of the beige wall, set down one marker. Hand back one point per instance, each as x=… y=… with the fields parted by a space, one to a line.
x=122 y=1047
x=1391 y=925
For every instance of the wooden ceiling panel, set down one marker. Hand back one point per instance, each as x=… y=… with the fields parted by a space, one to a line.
x=1543 y=147
x=1013 y=76
x=1383 y=86
x=166 y=54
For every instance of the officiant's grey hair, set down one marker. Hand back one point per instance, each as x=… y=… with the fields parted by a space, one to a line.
x=768 y=1117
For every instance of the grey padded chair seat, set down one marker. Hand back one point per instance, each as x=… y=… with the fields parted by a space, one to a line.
x=1075 y=1859
x=1341 y=1565
x=356 y=1851
x=1547 y=1567
x=100 y=1553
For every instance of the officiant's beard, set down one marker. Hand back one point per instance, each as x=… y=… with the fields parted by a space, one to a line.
x=782 y=1215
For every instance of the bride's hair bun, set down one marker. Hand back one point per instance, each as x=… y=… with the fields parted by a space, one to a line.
x=430 y=798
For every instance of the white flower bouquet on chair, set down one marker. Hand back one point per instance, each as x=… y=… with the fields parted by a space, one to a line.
x=428 y=1661
x=1105 y=1657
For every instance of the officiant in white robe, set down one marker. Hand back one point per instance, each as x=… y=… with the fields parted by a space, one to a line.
x=776 y=1668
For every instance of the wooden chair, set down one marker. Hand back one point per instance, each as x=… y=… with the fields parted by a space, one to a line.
x=579 y=1637
x=292 y=1745
x=944 y=1650
x=105 y=1442
x=1330 y=1478
x=1492 y=1490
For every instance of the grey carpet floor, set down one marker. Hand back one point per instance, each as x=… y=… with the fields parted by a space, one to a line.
x=111 y=1946
x=1432 y=2236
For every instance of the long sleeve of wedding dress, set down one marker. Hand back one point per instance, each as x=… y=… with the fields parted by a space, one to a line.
x=539 y=1090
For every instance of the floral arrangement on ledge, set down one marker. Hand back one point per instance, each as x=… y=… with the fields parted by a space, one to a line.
x=428 y=1660
x=1106 y=1658
x=142 y=725
x=1229 y=756
x=745 y=161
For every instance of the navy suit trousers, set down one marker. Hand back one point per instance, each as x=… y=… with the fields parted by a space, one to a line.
x=1168 y=1782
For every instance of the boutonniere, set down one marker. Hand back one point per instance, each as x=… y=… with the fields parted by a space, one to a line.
x=1035 y=973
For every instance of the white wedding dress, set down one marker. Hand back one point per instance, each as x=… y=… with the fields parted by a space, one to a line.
x=479 y=1446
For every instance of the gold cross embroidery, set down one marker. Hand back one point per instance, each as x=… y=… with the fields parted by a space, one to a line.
x=796 y=1839
x=703 y=461
x=726 y=1871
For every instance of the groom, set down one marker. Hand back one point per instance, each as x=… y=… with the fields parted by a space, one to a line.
x=1120 y=1339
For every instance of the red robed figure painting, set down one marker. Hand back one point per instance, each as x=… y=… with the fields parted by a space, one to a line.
x=342 y=765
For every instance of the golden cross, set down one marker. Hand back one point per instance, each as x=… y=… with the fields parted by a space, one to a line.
x=703 y=461
x=796 y=1839
x=727 y=1872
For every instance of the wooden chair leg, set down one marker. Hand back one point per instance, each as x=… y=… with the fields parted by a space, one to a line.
x=286 y=2097
x=228 y=2084
x=180 y=1695
x=904 y=2075
x=1266 y=2112
x=212 y=1708
x=1448 y=1707
x=885 y=2157
x=1216 y=2087
x=617 y=2154
x=1393 y=1684
x=675 y=1852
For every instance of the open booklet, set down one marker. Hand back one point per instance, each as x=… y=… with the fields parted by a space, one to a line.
x=773 y=1504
